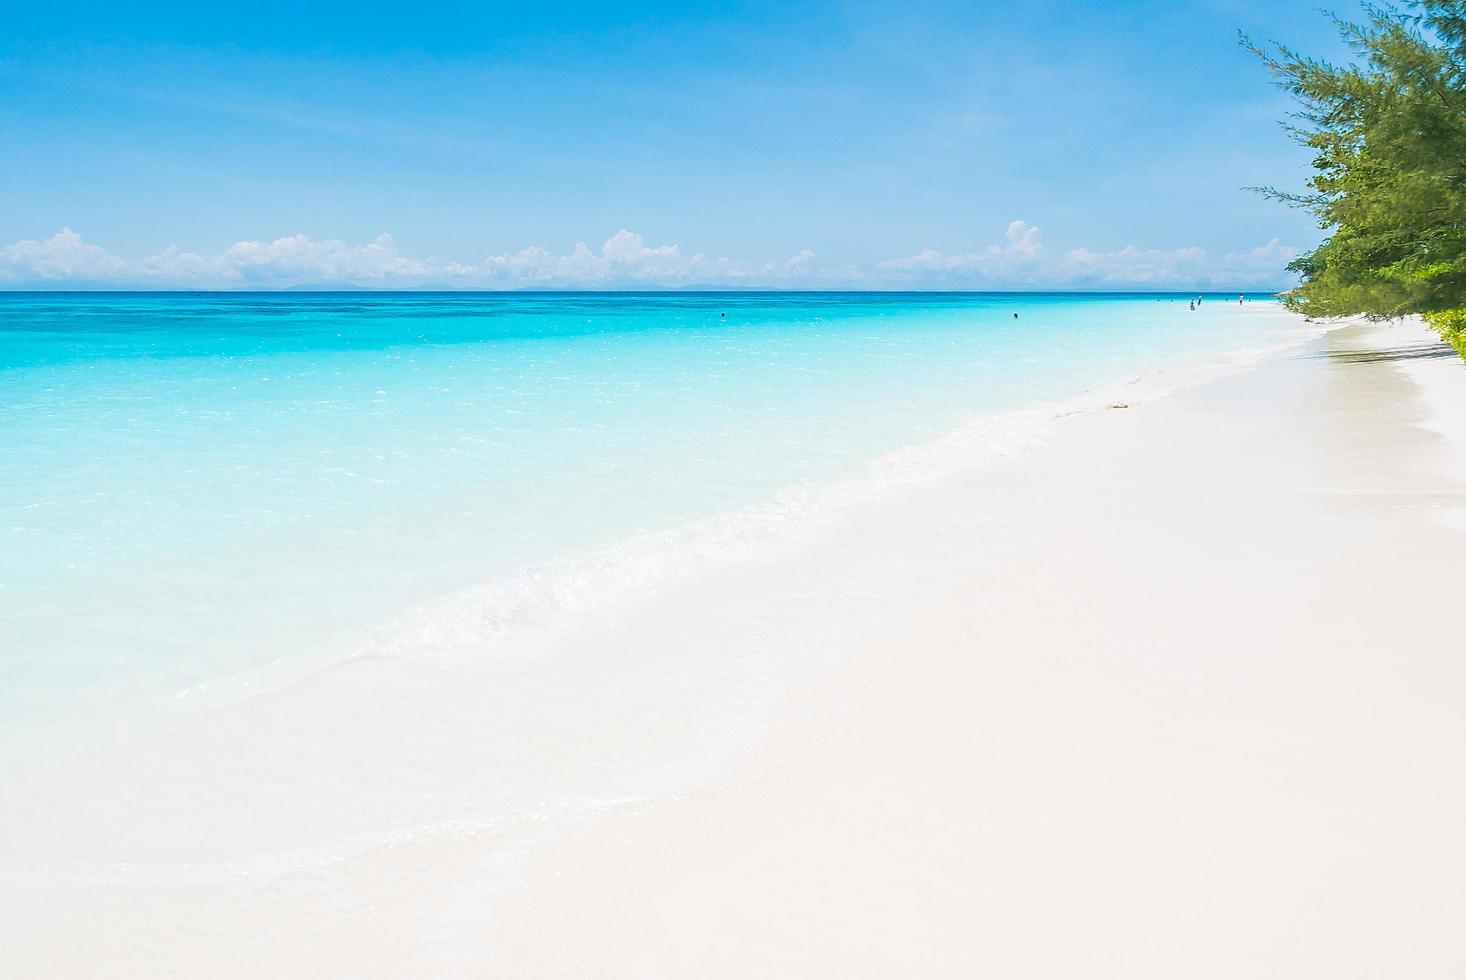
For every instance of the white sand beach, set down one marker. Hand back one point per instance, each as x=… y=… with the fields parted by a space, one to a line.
x=1177 y=694
x=1186 y=703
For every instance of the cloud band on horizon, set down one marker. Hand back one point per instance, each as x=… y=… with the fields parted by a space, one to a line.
x=625 y=260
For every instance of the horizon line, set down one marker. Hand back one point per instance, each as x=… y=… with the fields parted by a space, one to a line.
x=657 y=290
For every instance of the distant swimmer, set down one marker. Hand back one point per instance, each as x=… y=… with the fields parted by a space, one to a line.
x=722 y=314
x=1015 y=316
x=1240 y=297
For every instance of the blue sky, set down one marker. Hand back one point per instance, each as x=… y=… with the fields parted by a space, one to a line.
x=963 y=145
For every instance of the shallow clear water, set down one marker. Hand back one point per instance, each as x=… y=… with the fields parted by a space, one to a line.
x=197 y=484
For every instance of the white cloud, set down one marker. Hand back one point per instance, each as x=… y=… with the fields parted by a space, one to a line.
x=1023 y=261
x=1020 y=260
x=1182 y=267
x=293 y=259
x=1015 y=259
x=625 y=258
x=1023 y=239
x=62 y=257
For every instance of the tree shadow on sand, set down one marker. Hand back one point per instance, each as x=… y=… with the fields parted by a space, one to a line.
x=1413 y=353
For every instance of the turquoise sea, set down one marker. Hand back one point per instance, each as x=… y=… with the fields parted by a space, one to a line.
x=197 y=486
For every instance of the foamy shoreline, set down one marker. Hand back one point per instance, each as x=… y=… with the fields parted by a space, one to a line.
x=1174 y=694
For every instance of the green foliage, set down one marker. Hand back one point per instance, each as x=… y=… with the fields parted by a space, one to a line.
x=1451 y=325
x=1389 y=139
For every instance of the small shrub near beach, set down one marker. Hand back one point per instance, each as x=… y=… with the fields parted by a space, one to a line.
x=1451 y=325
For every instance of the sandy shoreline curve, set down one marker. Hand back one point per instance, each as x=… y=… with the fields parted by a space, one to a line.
x=1176 y=693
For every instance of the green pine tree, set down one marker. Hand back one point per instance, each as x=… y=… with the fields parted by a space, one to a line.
x=1389 y=139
